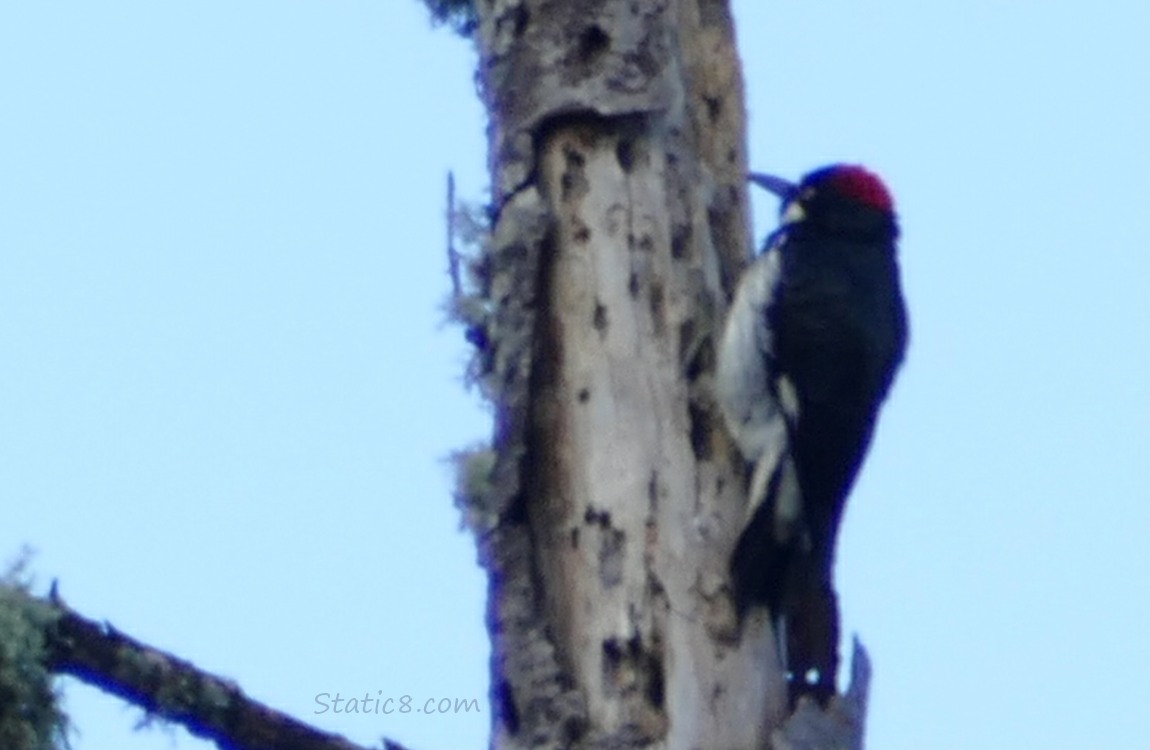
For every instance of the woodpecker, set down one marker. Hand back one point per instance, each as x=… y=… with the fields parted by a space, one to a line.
x=811 y=345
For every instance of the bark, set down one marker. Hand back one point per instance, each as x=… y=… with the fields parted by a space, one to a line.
x=617 y=164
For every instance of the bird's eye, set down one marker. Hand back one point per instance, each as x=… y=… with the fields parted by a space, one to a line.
x=793 y=212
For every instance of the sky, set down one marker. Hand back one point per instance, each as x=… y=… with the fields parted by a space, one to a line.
x=228 y=391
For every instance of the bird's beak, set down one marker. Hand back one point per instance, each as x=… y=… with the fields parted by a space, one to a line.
x=787 y=191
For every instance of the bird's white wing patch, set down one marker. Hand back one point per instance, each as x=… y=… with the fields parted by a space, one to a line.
x=743 y=381
x=758 y=403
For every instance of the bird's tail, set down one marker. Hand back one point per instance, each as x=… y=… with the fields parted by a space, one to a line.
x=782 y=563
x=809 y=628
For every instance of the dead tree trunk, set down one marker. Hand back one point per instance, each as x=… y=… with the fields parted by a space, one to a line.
x=617 y=164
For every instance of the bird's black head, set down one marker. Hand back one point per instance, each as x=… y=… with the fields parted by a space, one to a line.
x=840 y=199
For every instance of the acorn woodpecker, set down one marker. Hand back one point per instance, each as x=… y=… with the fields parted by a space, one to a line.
x=816 y=332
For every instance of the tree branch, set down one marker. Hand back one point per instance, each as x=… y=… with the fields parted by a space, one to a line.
x=170 y=688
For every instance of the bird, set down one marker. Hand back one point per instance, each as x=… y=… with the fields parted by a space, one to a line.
x=809 y=351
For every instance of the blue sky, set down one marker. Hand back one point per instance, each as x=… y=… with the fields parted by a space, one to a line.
x=227 y=391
